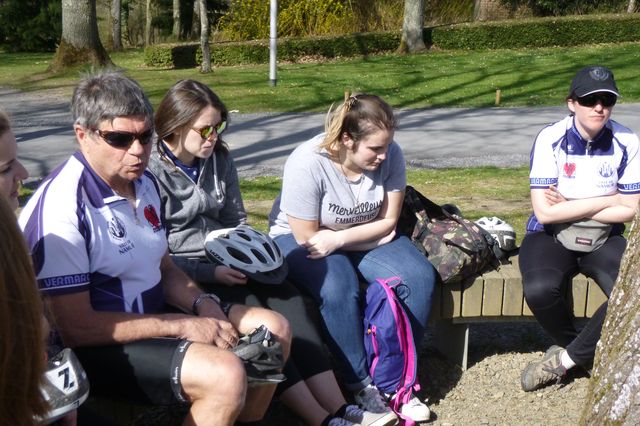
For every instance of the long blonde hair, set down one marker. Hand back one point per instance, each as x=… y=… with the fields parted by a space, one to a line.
x=359 y=116
x=22 y=347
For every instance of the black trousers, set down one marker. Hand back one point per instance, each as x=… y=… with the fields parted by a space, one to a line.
x=547 y=269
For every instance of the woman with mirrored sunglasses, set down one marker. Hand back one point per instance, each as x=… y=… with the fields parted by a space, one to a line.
x=585 y=171
x=200 y=193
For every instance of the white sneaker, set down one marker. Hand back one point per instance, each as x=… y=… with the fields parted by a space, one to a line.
x=369 y=399
x=358 y=416
x=416 y=410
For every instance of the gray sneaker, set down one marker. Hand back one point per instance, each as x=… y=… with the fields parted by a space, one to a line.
x=370 y=399
x=339 y=421
x=542 y=373
x=358 y=416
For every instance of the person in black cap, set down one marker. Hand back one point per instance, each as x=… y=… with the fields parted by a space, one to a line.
x=585 y=183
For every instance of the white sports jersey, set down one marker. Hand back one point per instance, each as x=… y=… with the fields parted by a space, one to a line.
x=584 y=169
x=84 y=237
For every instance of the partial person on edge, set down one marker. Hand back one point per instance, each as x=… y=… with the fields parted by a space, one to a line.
x=14 y=253
x=98 y=243
x=200 y=193
x=22 y=337
x=12 y=172
x=342 y=194
x=584 y=167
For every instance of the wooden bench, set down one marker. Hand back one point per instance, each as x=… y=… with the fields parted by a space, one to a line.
x=495 y=296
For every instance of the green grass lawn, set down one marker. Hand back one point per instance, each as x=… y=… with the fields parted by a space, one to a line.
x=526 y=77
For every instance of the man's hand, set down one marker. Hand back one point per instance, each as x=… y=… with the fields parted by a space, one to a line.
x=208 y=330
x=228 y=276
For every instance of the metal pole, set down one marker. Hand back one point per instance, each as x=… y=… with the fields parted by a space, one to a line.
x=273 y=47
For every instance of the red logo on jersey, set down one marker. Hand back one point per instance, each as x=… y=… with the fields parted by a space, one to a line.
x=152 y=217
x=569 y=169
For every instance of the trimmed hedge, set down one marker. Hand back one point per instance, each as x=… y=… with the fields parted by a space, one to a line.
x=257 y=52
x=539 y=32
x=171 y=55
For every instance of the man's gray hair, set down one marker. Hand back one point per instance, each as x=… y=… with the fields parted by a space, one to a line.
x=108 y=95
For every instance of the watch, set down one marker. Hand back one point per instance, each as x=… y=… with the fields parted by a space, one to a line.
x=200 y=299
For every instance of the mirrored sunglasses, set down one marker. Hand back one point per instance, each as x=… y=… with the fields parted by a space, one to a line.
x=606 y=99
x=122 y=139
x=206 y=132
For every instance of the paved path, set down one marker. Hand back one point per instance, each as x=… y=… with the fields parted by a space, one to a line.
x=260 y=143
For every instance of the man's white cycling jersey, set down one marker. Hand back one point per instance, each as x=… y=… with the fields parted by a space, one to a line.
x=584 y=169
x=84 y=237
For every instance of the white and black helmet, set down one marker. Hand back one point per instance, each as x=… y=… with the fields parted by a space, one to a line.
x=249 y=251
x=65 y=386
x=500 y=230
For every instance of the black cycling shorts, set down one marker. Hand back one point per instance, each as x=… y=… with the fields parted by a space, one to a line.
x=146 y=371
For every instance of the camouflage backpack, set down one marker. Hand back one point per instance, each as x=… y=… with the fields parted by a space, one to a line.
x=457 y=247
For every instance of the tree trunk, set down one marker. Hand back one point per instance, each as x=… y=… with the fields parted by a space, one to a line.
x=147 y=25
x=632 y=6
x=176 y=20
x=124 y=19
x=116 y=29
x=481 y=9
x=204 y=37
x=412 y=27
x=80 y=42
x=614 y=389
x=195 y=22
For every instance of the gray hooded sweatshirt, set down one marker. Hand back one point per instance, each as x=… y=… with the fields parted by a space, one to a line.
x=192 y=210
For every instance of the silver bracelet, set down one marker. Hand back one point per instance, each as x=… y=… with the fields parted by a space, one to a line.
x=200 y=299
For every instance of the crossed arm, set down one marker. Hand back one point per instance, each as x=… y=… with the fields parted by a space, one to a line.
x=550 y=206
x=321 y=242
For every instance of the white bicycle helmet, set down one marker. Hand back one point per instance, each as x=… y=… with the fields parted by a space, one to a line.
x=249 y=251
x=500 y=230
x=65 y=386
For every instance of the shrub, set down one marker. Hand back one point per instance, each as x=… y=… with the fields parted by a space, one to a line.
x=171 y=55
x=539 y=32
x=257 y=52
x=33 y=26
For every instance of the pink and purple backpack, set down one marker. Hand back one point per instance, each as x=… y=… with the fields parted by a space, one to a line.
x=388 y=341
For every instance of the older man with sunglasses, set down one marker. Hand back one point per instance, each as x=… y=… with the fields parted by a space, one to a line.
x=585 y=183
x=99 y=246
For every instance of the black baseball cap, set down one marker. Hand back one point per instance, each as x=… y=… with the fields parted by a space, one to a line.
x=593 y=79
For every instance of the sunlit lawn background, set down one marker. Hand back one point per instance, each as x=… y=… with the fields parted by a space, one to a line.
x=531 y=77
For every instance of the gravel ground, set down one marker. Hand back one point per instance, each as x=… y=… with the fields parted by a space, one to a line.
x=489 y=392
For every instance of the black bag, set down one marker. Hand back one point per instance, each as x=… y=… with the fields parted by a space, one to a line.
x=457 y=247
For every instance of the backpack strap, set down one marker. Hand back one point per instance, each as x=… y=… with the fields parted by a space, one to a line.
x=409 y=382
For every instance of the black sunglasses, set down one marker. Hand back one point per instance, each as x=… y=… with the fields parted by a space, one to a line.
x=207 y=131
x=122 y=139
x=607 y=100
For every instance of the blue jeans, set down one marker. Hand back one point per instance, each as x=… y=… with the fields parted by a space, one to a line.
x=334 y=284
